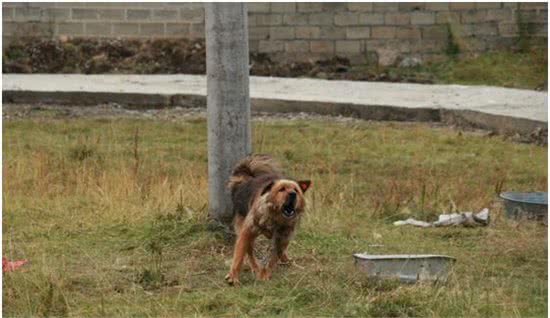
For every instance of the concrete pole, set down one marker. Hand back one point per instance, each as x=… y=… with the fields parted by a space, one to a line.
x=228 y=99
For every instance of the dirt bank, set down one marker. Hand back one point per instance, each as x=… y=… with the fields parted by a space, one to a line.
x=164 y=56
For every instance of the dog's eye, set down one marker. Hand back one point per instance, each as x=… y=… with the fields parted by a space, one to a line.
x=282 y=190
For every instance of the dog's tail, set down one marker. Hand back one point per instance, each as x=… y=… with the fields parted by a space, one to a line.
x=250 y=167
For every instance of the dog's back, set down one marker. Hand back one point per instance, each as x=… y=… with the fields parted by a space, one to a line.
x=250 y=175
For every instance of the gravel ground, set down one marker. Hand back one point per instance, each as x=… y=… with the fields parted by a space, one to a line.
x=20 y=111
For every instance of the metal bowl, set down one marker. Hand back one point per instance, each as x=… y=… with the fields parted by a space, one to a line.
x=530 y=205
x=407 y=268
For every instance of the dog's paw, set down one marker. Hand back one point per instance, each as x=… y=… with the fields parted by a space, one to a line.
x=263 y=274
x=232 y=279
x=284 y=260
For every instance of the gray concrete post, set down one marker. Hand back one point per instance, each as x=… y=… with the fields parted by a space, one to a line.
x=228 y=100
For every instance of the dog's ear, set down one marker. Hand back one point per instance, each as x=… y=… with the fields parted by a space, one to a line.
x=304 y=185
x=267 y=187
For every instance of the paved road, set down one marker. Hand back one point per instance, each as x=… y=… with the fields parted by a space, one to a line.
x=507 y=102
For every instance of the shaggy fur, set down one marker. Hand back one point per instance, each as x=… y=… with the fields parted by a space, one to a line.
x=266 y=203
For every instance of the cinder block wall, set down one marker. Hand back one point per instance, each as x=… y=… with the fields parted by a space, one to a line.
x=381 y=32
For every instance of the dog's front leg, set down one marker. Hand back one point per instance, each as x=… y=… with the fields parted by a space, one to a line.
x=280 y=244
x=251 y=258
x=242 y=246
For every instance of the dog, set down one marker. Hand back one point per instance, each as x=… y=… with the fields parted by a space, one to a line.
x=264 y=203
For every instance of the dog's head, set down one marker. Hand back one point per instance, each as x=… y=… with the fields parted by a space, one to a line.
x=287 y=197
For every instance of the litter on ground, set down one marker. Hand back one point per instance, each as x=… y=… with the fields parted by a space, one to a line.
x=468 y=219
x=8 y=266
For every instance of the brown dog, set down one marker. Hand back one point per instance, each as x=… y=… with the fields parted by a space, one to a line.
x=264 y=202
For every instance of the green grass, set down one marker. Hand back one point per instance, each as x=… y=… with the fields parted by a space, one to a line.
x=528 y=70
x=112 y=216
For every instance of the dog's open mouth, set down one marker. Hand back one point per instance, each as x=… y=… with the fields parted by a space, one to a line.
x=289 y=208
x=289 y=211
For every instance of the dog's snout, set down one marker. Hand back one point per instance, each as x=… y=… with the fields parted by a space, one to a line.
x=292 y=194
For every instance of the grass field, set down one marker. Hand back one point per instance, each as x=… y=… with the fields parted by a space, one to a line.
x=111 y=214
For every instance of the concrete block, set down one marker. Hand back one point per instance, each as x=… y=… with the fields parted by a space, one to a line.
x=384 y=7
x=410 y=32
x=151 y=29
x=269 y=19
x=98 y=29
x=396 y=18
x=361 y=6
x=447 y=17
x=56 y=14
x=258 y=7
x=348 y=46
x=488 y=5
x=473 y=16
x=282 y=33
x=258 y=33
x=427 y=46
x=192 y=15
x=437 y=6
x=534 y=5
x=479 y=29
x=71 y=29
x=110 y=14
x=308 y=32
x=411 y=6
x=164 y=15
x=125 y=29
x=177 y=29
x=84 y=14
x=358 y=32
x=383 y=32
x=332 y=33
x=196 y=31
x=294 y=19
x=346 y=18
x=25 y=29
x=98 y=14
x=334 y=6
x=309 y=7
x=28 y=13
x=283 y=7
x=296 y=46
x=7 y=13
x=534 y=16
x=507 y=29
x=9 y=28
x=419 y=18
x=462 y=6
x=133 y=14
x=371 y=18
x=252 y=20
x=435 y=32
x=321 y=46
x=253 y=45
x=321 y=18
x=504 y=14
x=271 y=46
x=511 y=5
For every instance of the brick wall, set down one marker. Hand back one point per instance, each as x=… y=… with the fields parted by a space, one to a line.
x=383 y=32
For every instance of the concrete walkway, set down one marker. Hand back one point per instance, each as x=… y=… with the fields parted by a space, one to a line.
x=370 y=100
